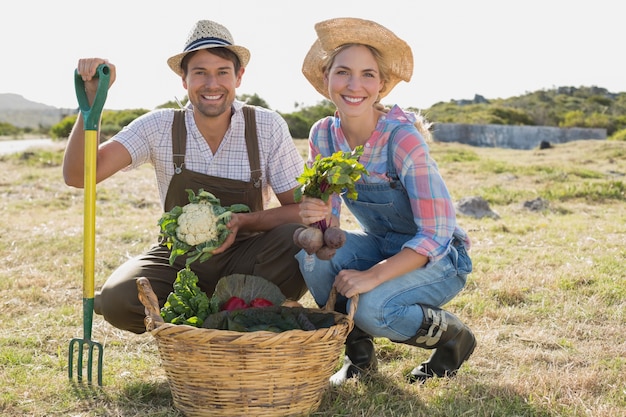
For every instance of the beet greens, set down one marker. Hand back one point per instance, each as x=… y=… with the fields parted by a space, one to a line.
x=329 y=175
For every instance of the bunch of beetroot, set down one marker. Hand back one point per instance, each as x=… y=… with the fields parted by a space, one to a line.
x=326 y=176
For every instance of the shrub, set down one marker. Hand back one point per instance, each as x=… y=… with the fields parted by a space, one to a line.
x=619 y=135
x=62 y=129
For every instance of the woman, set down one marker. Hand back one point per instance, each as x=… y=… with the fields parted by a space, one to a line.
x=410 y=257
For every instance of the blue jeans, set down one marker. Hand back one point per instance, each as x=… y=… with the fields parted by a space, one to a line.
x=392 y=309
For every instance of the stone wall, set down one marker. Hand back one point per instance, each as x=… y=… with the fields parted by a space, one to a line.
x=514 y=137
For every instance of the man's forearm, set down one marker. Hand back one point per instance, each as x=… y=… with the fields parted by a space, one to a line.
x=261 y=221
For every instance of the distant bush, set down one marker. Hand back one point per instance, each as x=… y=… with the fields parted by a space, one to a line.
x=63 y=129
x=120 y=119
x=619 y=135
x=254 y=100
x=7 y=129
x=298 y=126
x=511 y=116
x=300 y=122
x=112 y=122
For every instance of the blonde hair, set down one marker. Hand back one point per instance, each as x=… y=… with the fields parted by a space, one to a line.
x=421 y=124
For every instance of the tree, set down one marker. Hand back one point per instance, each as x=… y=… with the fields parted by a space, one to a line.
x=253 y=100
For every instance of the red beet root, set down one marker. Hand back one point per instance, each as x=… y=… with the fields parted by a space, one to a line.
x=325 y=253
x=334 y=237
x=311 y=239
x=261 y=302
x=296 y=236
x=234 y=303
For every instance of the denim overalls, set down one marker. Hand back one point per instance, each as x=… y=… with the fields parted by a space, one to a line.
x=390 y=310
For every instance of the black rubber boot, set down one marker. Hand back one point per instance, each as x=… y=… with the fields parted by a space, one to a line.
x=362 y=354
x=452 y=340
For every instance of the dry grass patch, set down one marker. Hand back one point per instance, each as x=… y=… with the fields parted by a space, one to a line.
x=546 y=299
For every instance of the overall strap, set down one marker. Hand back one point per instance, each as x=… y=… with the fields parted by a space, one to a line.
x=252 y=144
x=329 y=139
x=179 y=140
x=391 y=170
x=179 y=143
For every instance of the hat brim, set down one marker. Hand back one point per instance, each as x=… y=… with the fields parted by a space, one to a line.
x=334 y=33
x=175 y=61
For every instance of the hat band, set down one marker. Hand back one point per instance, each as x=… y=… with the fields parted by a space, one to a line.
x=205 y=42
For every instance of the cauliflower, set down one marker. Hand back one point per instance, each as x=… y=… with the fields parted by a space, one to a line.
x=198 y=227
x=197 y=223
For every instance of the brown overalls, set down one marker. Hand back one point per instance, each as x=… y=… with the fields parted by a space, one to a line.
x=269 y=254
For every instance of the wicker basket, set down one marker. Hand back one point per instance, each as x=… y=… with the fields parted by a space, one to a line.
x=227 y=373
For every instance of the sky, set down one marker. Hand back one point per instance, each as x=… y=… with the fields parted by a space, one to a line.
x=493 y=48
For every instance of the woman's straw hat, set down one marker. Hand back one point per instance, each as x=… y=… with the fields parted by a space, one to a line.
x=208 y=34
x=333 y=33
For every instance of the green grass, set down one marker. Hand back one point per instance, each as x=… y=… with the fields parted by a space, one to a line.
x=546 y=300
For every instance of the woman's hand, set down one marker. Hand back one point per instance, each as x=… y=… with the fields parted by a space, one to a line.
x=312 y=210
x=350 y=282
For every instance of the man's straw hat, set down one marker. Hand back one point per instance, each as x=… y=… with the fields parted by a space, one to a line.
x=208 y=34
x=333 y=33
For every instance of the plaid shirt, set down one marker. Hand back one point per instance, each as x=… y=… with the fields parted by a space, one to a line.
x=148 y=139
x=432 y=206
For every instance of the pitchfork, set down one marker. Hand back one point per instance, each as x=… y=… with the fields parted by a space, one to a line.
x=91 y=117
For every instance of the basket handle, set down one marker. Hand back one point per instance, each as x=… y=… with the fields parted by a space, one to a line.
x=332 y=298
x=150 y=301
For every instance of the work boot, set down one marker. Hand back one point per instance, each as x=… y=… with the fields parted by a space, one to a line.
x=361 y=354
x=452 y=340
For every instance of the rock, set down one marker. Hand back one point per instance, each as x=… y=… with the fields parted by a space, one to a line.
x=476 y=207
x=538 y=204
x=544 y=144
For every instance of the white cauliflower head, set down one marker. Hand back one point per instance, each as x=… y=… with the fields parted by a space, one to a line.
x=198 y=228
x=197 y=224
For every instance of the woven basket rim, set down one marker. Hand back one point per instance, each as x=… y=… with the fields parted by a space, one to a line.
x=339 y=317
x=184 y=331
x=153 y=320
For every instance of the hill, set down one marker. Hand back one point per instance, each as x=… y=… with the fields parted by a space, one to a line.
x=587 y=107
x=23 y=113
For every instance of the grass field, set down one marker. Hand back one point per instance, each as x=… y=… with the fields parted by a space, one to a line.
x=547 y=299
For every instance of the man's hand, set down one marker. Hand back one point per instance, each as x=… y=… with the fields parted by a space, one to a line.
x=233 y=225
x=87 y=68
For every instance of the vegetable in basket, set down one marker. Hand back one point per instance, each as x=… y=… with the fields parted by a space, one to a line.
x=271 y=319
x=240 y=303
x=197 y=228
x=188 y=304
x=329 y=175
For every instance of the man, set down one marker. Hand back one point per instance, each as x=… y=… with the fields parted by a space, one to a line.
x=212 y=153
